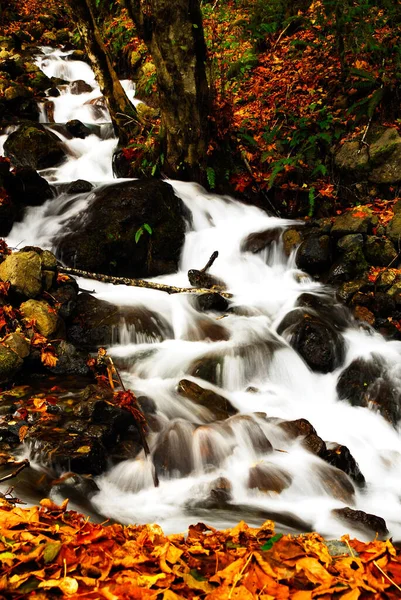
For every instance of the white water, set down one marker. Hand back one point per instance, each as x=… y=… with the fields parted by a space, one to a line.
x=268 y=285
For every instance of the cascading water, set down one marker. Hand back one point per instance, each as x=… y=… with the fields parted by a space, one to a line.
x=209 y=465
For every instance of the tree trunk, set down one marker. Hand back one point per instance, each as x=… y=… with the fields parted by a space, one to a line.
x=173 y=33
x=122 y=112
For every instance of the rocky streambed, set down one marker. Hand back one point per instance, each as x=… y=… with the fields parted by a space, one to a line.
x=280 y=400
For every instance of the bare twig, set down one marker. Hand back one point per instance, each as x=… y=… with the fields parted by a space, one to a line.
x=20 y=467
x=386 y=576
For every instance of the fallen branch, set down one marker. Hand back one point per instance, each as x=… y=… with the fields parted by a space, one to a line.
x=20 y=467
x=162 y=287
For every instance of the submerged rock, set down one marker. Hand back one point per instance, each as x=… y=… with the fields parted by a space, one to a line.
x=210 y=301
x=100 y=323
x=268 y=477
x=104 y=238
x=219 y=406
x=80 y=186
x=173 y=454
x=256 y=242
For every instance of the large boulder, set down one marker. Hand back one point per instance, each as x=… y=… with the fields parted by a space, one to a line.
x=47 y=321
x=379 y=160
x=99 y=323
x=28 y=187
x=34 y=146
x=24 y=271
x=104 y=238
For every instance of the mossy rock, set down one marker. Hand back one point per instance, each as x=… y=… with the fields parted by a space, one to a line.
x=46 y=318
x=379 y=252
x=34 y=146
x=358 y=220
x=23 y=271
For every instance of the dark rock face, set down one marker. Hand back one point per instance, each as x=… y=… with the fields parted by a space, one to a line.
x=302 y=427
x=365 y=383
x=77 y=129
x=211 y=301
x=28 y=187
x=256 y=242
x=34 y=146
x=102 y=238
x=365 y=522
x=98 y=323
x=319 y=344
x=339 y=456
x=314 y=254
x=220 y=407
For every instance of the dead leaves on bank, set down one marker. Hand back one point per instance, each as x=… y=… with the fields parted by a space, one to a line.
x=48 y=551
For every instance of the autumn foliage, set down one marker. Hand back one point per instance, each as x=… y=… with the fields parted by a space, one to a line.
x=47 y=550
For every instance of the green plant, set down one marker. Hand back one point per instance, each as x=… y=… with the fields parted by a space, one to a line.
x=211 y=177
x=141 y=231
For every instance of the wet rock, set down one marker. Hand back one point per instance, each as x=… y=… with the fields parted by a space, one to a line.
x=49 y=107
x=23 y=271
x=346 y=291
x=46 y=319
x=99 y=323
x=319 y=344
x=10 y=363
x=394 y=229
x=336 y=483
x=256 y=242
x=249 y=427
x=350 y=248
x=200 y=279
x=28 y=187
x=205 y=329
x=208 y=368
x=340 y=457
x=147 y=405
x=66 y=295
x=291 y=240
x=80 y=186
x=18 y=343
x=77 y=129
x=34 y=146
x=379 y=251
x=325 y=307
x=314 y=254
x=80 y=87
x=357 y=220
x=365 y=383
x=267 y=477
x=364 y=522
x=70 y=360
x=121 y=165
x=383 y=304
x=210 y=301
x=219 y=406
x=102 y=238
x=361 y=313
x=303 y=428
x=173 y=455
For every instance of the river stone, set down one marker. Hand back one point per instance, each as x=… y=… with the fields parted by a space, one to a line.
x=80 y=186
x=357 y=220
x=103 y=238
x=23 y=271
x=268 y=477
x=314 y=254
x=362 y=521
x=46 y=318
x=10 y=363
x=249 y=428
x=100 y=323
x=336 y=483
x=256 y=242
x=80 y=87
x=219 y=406
x=389 y=171
x=318 y=343
x=394 y=229
x=365 y=383
x=379 y=251
x=210 y=301
x=70 y=360
x=346 y=290
x=34 y=146
x=303 y=428
x=18 y=343
x=173 y=453
x=28 y=187
x=340 y=457
x=291 y=240
x=77 y=129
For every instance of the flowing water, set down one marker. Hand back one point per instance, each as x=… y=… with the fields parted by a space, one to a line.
x=258 y=371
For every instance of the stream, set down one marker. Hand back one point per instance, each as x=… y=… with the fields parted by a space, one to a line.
x=262 y=376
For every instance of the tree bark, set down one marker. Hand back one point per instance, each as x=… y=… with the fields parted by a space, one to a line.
x=173 y=33
x=122 y=112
